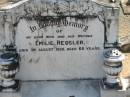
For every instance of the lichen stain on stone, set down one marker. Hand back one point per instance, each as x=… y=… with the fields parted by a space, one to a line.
x=37 y=60
x=109 y=21
x=34 y=60
x=30 y=60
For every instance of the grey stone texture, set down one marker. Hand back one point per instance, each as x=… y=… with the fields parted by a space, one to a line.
x=70 y=88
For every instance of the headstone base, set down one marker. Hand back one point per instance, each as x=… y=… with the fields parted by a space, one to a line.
x=13 y=88
x=106 y=86
x=112 y=93
x=120 y=92
x=68 y=88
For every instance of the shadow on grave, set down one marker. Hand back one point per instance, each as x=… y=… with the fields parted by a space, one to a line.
x=125 y=48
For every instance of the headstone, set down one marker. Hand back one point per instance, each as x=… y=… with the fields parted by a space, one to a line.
x=60 y=39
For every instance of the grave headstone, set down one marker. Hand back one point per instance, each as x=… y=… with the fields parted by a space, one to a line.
x=59 y=39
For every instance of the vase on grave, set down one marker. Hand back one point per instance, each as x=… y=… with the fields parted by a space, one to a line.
x=112 y=66
x=9 y=66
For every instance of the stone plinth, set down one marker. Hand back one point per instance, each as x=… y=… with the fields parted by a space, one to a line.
x=112 y=93
x=72 y=88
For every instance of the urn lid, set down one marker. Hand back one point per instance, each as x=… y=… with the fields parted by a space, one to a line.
x=8 y=58
x=113 y=55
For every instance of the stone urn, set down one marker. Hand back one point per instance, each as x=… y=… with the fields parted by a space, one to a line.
x=113 y=66
x=9 y=66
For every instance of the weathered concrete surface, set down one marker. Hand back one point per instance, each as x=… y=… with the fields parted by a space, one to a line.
x=112 y=93
x=74 y=88
x=128 y=92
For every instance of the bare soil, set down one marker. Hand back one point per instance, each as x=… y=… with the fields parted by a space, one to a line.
x=124 y=31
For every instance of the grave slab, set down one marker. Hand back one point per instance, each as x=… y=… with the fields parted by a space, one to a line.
x=72 y=88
